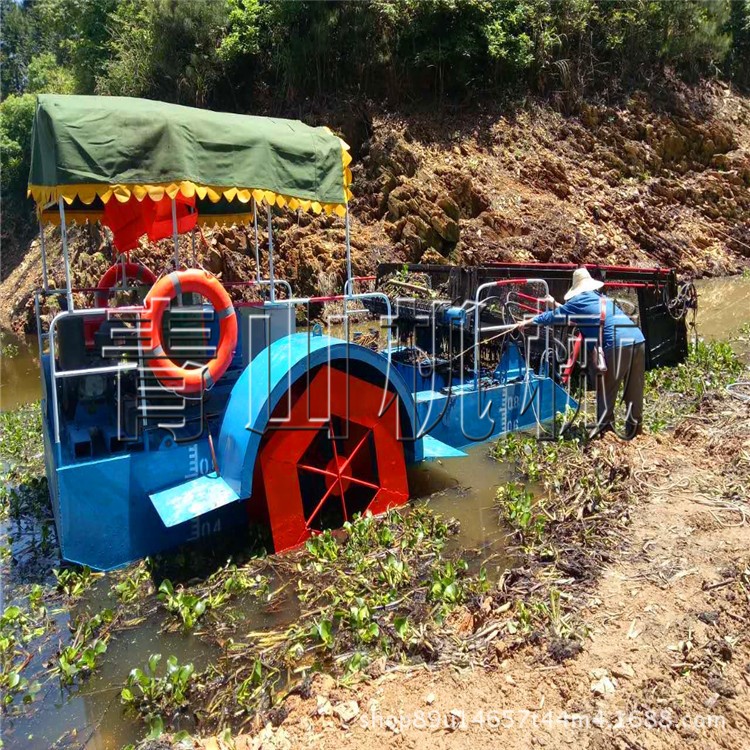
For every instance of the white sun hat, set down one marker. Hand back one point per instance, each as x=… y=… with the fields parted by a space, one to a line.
x=582 y=282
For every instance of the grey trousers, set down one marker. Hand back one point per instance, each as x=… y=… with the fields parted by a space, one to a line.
x=625 y=366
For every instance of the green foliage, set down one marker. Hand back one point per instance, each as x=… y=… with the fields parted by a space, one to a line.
x=322 y=547
x=243 y=34
x=165 y=49
x=209 y=51
x=221 y=586
x=519 y=509
x=17 y=629
x=446 y=586
x=542 y=615
x=46 y=76
x=153 y=694
x=738 y=59
x=21 y=436
x=135 y=583
x=74 y=581
x=16 y=116
x=188 y=607
x=82 y=655
x=672 y=392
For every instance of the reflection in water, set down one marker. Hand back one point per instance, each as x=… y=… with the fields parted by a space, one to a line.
x=723 y=309
x=19 y=371
x=464 y=489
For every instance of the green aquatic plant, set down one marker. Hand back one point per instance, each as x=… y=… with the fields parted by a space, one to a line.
x=361 y=623
x=519 y=508
x=17 y=629
x=135 y=583
x=23 y=486
x=323 y=630
x=361 y=598
x=446 y=585
x=226 y=583
x=261 y=678
x=672 y=392
x=322 y=547
x=188 y=607
x=75 y=581
x=82 y=655
x=393 y=571
x=153 y=694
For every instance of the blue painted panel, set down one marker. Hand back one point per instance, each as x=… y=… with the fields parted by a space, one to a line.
x=269 y=376
x=95 y=510
x=466 y=416
x=434 y=449
x=192 y=498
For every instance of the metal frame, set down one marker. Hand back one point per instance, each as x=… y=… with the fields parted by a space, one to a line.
x=478 y=330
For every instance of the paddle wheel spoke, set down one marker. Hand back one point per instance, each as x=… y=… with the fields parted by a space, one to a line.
x=361 y=482
x=317 y=470
x=319 y=505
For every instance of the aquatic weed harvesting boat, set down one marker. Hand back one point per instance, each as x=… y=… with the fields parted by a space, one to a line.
x=189 y=409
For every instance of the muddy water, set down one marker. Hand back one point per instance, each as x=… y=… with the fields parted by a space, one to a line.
x=724 y=311
x=91 y=716
x=465 y=488
x=19 y=371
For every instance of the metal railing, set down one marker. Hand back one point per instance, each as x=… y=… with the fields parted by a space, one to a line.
x=478 y=330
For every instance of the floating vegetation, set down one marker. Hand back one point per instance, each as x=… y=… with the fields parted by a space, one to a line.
x=18 y=628
x=135 y=582
x=672 y=392
x=74 y=581
x=82 y=655
x=154 y=692
x=221 y=586
x=378 y=594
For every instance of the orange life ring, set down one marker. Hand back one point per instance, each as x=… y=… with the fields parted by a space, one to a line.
x=172 y=376
x=111 y=278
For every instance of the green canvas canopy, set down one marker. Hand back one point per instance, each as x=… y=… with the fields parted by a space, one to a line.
x=94 y=148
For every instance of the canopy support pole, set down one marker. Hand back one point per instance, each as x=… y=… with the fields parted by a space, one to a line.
x=348 y=250
x=194 y=248
x=270 y=256
x=257 y=247
x=66 y=259
x=45 y=279
x=175 y=237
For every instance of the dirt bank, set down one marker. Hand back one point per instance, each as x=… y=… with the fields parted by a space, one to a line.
x=661 y=178
x=666 y=658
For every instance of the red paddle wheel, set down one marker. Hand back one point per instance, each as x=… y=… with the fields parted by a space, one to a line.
x=331 y=450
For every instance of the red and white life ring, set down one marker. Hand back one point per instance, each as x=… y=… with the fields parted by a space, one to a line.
x=172 y=376
x=112 y=278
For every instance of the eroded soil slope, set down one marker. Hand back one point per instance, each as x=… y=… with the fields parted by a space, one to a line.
x=663 y=178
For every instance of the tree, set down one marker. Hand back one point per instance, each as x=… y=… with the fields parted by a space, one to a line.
x=165 y=49
x=45 y=76
x=738 y=61
x=16 y=117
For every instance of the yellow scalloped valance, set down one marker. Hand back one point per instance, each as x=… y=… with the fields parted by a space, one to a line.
x=44 y=195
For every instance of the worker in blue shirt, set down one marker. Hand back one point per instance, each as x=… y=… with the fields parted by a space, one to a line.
x=614 y=343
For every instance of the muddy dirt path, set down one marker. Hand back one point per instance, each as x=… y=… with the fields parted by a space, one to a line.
x=667 y=659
